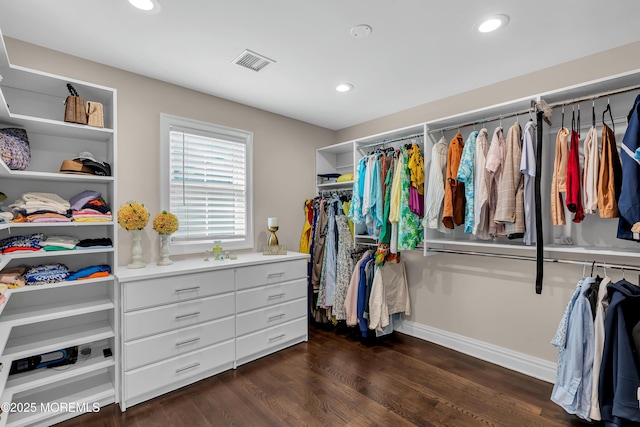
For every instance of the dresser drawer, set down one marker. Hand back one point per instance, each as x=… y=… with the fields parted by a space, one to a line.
x=166 y=290
x=169 y=317
x=263 y=318
x=265 y=296
x=143 y=380
x=273 y=337
x=170 y=344
x=266 y=274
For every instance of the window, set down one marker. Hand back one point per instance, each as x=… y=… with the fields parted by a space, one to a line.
x=206 y=173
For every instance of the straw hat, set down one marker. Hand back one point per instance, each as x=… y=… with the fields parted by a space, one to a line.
x=75 y=166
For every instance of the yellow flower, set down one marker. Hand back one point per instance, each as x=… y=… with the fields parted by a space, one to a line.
x=165 y=223
x=133 y=216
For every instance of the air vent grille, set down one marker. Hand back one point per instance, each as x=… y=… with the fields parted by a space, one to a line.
x=252 y=60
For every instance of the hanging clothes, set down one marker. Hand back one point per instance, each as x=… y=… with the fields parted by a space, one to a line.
x=482 y=182
x=389 y=295
x=416 y=172
x=409 y=224
x=454 y=200
x=598 y=326
x=559 y=180
x=394 y=206
x=572 y=389
x=355 y=210
x=574 y=198
x=344 y=267
x=610 y=176
x=351 y=299
x=435 y=190
x=305 y=238
x=590 y=172
x=510 y=204
x=466 y=173
x=385 y=231
x=619 y=373
x=528 y=170
x=629 y=202
x=319 y=240
x=494 y=165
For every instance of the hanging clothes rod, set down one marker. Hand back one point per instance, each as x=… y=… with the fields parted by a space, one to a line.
x=530 y=258
x=389 y=141
x=596 y=96
x=336 y=191
x=531 y=109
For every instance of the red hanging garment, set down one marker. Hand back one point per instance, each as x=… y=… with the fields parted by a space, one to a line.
x=574 y=197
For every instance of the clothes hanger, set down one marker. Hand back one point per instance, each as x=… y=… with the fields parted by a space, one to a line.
x=584 y=266
x=578 y=122
x=593 y=113
x=562 y=126
x=573 y=118
x=613 y=125
x=593 y=264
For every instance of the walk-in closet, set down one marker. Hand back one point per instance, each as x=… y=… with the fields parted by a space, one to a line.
x=335 y=214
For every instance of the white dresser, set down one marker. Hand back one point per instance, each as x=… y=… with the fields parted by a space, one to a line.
x=194 y=319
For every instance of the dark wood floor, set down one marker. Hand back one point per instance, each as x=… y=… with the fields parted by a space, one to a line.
x=337 y=380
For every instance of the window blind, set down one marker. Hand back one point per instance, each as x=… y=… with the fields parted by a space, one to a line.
x=208 y=186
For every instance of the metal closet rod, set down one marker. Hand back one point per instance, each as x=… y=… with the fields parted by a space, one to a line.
x=337 y=191
x=596 y=96
x=486 y=120
x=529 y=258
x=389 y=141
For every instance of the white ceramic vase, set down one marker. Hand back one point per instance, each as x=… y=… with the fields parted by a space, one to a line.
x=136 y=250
x=164 y=250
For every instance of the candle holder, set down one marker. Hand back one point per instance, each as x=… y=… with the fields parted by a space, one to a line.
x=273 y=239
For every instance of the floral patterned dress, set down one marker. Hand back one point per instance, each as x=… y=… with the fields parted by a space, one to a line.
x=409 y=224
x=344 y=266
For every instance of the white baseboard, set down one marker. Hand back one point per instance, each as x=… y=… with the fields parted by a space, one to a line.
x=519 y=362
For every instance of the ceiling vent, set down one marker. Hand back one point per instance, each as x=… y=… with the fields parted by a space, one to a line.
x=252 y=60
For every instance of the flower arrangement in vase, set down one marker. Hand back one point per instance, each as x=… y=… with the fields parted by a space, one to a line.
x=134 y=216
x=165 y=223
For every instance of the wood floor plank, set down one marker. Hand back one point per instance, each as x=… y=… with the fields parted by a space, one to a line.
x=338 y=380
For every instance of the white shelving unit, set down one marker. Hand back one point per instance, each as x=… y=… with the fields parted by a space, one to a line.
x=39 y=319
x=594 y=238
x=343 y=158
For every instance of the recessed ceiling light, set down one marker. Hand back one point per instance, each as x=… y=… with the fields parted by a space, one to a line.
x=493 y=23
x=150 y=6
x=344 y=87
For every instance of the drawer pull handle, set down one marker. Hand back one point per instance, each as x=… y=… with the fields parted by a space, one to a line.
x=273 y=275
x=178 y=344
x=276 y=316
x=277 y=337
x=194 y=288
x=182 y=316
x=275 y=296
x=195 y=365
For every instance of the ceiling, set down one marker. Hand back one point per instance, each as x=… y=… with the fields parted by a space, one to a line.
x=418 y=51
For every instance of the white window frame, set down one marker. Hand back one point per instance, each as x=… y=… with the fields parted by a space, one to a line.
x=167 y=122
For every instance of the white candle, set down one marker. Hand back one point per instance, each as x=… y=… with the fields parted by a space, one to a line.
x=272 y=222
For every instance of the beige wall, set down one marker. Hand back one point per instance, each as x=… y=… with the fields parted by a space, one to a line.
x=488 y=300
x=494 y=300
x=284 y=149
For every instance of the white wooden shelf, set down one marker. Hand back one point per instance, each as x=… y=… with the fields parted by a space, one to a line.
x=25 y=381
x=55 y=127
x=89 y=389
x=7 y=173
x=66 y=283
x=39 y=343
x=42 y=313
x=30 y=225
x=331 y=185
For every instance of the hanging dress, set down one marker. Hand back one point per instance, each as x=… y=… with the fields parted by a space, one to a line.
x=409 y=224
x=305 y=238
x=344 y=266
